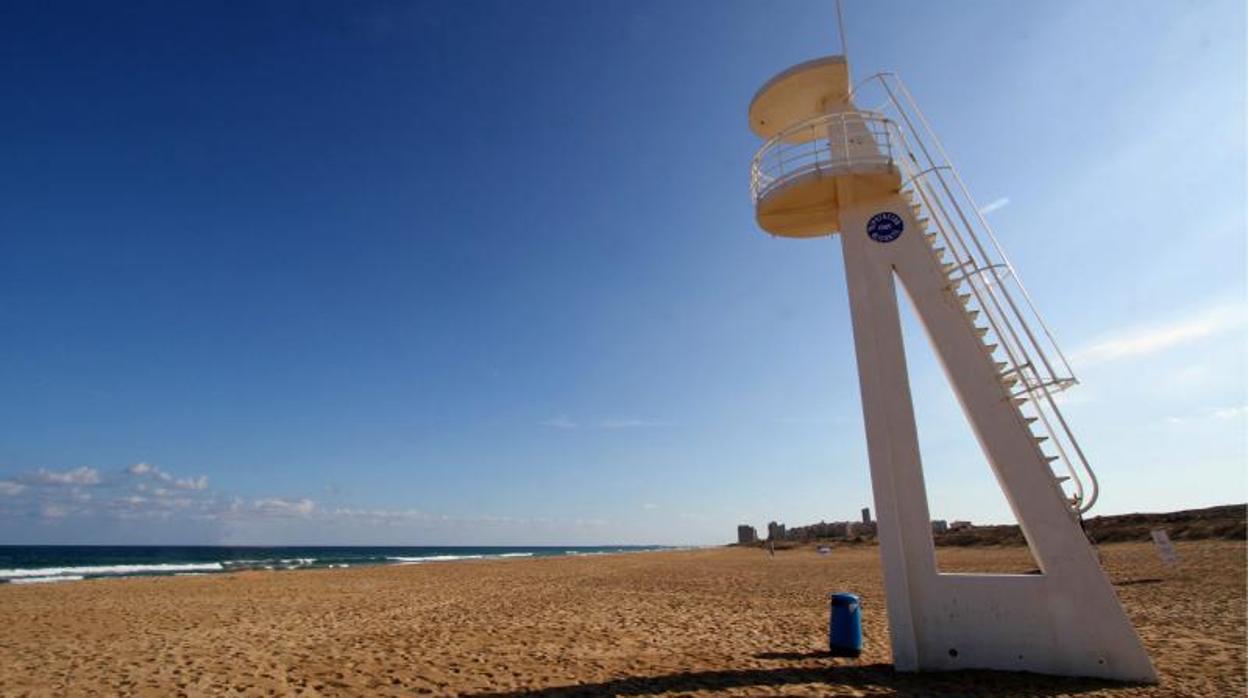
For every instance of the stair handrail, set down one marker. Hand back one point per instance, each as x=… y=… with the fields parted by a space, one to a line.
x=1011 y=343
x=1093 y=480
x=995 y=314
x=984 y=223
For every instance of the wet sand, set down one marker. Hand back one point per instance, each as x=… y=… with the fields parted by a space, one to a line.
x=708 y=622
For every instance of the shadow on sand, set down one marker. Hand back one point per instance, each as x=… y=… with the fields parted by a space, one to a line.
x=1131 y=582
x=836 y=679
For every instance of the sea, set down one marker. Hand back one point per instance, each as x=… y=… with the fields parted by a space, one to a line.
x=41 y=564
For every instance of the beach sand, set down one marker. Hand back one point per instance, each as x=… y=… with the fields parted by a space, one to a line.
x=704 y=622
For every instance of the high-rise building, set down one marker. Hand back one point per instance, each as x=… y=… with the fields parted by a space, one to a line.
x=775 y=531
x=746 y=534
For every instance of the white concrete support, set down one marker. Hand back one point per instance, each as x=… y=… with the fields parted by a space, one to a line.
x=1066 y=620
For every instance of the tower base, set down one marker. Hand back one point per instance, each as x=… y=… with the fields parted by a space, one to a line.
x=1065 y=621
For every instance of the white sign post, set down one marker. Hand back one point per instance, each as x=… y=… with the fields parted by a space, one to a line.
x=1164 y=547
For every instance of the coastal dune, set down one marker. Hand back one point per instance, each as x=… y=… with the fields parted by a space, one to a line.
x=701 y=622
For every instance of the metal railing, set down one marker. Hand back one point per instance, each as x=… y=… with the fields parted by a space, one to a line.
x=1033 y=368
x=826 y=145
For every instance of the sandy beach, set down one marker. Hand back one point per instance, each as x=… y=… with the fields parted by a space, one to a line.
x=703 y=622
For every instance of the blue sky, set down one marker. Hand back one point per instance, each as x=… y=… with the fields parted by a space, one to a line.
x=487 y=272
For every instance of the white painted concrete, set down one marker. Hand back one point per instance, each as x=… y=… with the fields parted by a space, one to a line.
x=1066 y=620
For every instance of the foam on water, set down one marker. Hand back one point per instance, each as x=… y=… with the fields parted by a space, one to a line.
x=46 y=580
x=433 y=558
x=107 y=570
x=39 y=564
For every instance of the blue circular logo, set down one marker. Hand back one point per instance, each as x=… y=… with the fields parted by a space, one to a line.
x=885 y=227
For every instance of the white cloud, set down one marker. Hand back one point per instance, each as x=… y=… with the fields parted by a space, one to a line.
x=11 y=488
x=564 y=422
x=810 y=419
x=186 y=483
x=53 y=511
x=380 y=515
x=197 y=483
x=77 y=476
x=994 y=205
x=144 y=493
x=1150 y=340
x=278 y=506
x=1229 y=412
x=559 y=422
x=630 y=423
x=1213 y=414
x=649 y=506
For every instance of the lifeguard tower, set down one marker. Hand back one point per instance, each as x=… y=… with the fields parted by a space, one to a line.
x=862 y=161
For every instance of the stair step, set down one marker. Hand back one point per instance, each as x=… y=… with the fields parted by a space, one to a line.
x=922 y=221
x=964 y=298
x=990 y=348
x=1061 y=478
x=931 y=237
x=972 y=314
x=1031 y=420
x=1052 y=458
x=1000 y=365
x=1009 y=381
x=1041 y=439
x=949 y=266
x=1020 y=400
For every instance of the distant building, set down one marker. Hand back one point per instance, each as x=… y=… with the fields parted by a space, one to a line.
x=866 y=515
x=939 y=526
x=820 y=531
x=775 y=531
x=960 y=525
x=746 y=534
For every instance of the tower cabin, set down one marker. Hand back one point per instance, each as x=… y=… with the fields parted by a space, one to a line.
x=819 y=149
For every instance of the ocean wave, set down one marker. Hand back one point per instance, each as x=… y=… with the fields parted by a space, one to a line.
x=109 y=570
x=292 y=563
x=270 y=561
x=299 y=561
x=46 y=580
x=433 y=558
x=515 y=555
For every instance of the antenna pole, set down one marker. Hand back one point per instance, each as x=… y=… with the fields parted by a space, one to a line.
x=840 y=27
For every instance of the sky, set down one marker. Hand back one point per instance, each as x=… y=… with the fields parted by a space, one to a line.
x=486 y=272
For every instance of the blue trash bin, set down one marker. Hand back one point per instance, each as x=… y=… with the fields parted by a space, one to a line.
x=845 y=626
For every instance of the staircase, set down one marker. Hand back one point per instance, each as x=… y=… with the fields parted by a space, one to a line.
x=982 y=281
